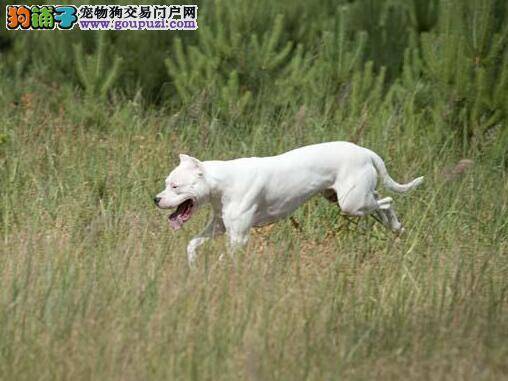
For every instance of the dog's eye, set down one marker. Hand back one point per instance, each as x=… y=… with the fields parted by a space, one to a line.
x=174 y=186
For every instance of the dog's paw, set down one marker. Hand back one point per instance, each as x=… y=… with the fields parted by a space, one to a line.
x=398 y=230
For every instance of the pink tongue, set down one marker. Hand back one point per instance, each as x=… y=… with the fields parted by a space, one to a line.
x=177 y=218
x=175 y=222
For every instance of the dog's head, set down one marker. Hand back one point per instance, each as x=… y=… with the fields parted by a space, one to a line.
x=186 y=189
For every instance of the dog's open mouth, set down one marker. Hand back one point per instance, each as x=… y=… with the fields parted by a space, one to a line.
x=182 y=214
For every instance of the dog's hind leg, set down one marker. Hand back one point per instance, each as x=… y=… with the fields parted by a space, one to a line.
x=388 y=217
x=384 y=203
x=356 y=194
x=395 y=224
x=215 y=227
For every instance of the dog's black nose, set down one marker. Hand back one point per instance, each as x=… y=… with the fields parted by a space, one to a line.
x=156 y=200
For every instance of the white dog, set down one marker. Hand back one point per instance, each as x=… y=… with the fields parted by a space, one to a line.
x=256 y=191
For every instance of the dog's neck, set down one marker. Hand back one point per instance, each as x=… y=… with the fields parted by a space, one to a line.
x=220 y=176
x=215 y=176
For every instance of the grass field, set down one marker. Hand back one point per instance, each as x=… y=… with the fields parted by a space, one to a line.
x=95 y=286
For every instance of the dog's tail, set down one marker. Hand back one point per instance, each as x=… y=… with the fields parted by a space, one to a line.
x=388 y=181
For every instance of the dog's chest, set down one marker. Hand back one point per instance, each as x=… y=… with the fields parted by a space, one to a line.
x=275 y=208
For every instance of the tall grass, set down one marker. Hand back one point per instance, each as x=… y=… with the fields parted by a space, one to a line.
x=94 y=285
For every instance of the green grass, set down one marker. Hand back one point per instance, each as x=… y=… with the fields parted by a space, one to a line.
x=94 y=285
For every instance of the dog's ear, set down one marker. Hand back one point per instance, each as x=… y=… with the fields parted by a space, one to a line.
x=192 y=161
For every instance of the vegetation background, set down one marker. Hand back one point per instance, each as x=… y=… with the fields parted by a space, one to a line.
x=93 y=285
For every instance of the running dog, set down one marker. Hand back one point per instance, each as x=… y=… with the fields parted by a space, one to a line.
x=256 y=191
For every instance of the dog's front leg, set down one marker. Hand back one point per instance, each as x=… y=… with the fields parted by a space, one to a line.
x=238 y=223
x=213 y=228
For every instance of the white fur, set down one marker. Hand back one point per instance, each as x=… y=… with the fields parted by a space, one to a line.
x=256 y=191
